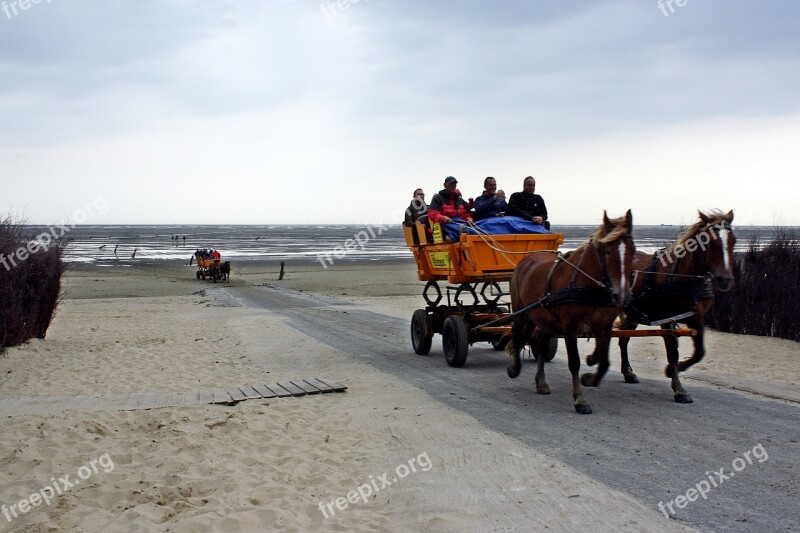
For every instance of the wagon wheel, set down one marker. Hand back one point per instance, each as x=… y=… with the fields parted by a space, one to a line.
x=455 y=341
x=421 y=332
x=552 y=348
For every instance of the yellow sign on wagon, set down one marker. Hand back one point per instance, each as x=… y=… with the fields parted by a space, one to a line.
x=440 y=260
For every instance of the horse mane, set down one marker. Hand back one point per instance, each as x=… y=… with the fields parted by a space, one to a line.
x=715 y=216
x=603 y=235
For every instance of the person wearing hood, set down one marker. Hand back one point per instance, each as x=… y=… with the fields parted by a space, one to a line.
x=448 y=204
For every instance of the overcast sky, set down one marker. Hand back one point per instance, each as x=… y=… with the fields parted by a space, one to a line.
x=301 y=111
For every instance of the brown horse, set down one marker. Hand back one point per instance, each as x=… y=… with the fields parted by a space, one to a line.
x=678 y=283
x=579 y=293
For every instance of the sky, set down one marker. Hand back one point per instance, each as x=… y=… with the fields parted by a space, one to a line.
x=317 y=112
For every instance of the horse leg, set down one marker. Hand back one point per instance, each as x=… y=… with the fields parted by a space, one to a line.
x=699 y=347
x=602 y=345
x=520 y=333
x=625 y=366
x=680 y=394
x=574 y=358
x=541 y=343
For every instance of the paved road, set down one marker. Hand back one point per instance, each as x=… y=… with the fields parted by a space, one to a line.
x=637 y=440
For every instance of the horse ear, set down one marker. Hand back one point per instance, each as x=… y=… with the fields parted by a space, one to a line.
x=629 y=220
x=703 y=217
x=729 y=217
x=607 y=223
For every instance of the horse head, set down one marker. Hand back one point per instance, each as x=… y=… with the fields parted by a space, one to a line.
x=614 y=244
x=716 y=255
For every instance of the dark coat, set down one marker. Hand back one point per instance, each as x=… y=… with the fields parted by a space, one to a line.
x=526 y=205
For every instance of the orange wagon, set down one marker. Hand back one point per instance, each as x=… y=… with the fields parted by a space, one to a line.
x=472 y=271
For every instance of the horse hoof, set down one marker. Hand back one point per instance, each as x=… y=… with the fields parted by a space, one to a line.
x=543 y=389
x=590 y=360
x=631 y=378
x=583 y=408
x=587 y=380
x=683 y=398
x=513 y=372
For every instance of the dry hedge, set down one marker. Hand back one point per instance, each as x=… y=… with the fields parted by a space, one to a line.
x=766 y=298
x=29 y=290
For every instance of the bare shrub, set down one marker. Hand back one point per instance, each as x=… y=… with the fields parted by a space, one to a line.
x=29 y=289
x=766 y=298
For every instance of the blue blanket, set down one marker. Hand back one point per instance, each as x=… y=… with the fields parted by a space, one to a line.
x=493 y=226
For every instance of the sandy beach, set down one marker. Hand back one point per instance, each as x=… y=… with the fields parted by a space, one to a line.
x=282 y=464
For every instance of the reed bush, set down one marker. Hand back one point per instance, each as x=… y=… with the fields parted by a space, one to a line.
x=30 y=288
x=766 y=298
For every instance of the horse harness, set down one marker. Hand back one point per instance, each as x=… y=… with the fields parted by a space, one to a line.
x=696 y=288
x=572 y=294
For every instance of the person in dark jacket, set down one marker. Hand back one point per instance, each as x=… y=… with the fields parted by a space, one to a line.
x=448 y=204
x=489 y=204
x=416 y=208
x=528 y=205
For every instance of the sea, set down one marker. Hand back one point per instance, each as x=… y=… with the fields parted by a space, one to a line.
x=111 y=245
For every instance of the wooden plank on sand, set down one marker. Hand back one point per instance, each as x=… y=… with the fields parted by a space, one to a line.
x=222 y=397
x=250 y=392
x=336 y=387
x=162 y=400
x=309 y=389
x=280 y=391
x=131 y=401
x=265 y=391
x=205 y=396
x=323 y=387
x=293 y=389
x=177 y=398
x=148 y=400
x=236 y=394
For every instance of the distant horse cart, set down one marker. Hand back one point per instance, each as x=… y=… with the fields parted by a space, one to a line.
x=212 y=268
x=572 y=295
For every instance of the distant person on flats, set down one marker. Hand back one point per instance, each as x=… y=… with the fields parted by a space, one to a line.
x=528 y=205
x=490 y=204
x=448 y=204
x=416 y=208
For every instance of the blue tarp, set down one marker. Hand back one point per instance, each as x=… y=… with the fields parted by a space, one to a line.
x=494 y=226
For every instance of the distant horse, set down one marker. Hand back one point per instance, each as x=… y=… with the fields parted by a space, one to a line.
x=220 y=271
x=225 y=271
x=579 y=293
x=678 y=283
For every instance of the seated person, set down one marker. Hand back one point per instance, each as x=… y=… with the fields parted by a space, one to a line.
x=490 y=204
x=416 y=208
x=528 y=205
x=448 y=204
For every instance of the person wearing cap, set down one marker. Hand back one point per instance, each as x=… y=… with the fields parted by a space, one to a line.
x=528 y=205
x=416 y=208
x=490 y=204
x=448 y=204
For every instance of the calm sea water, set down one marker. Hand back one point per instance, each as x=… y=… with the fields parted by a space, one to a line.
x=114 y=245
